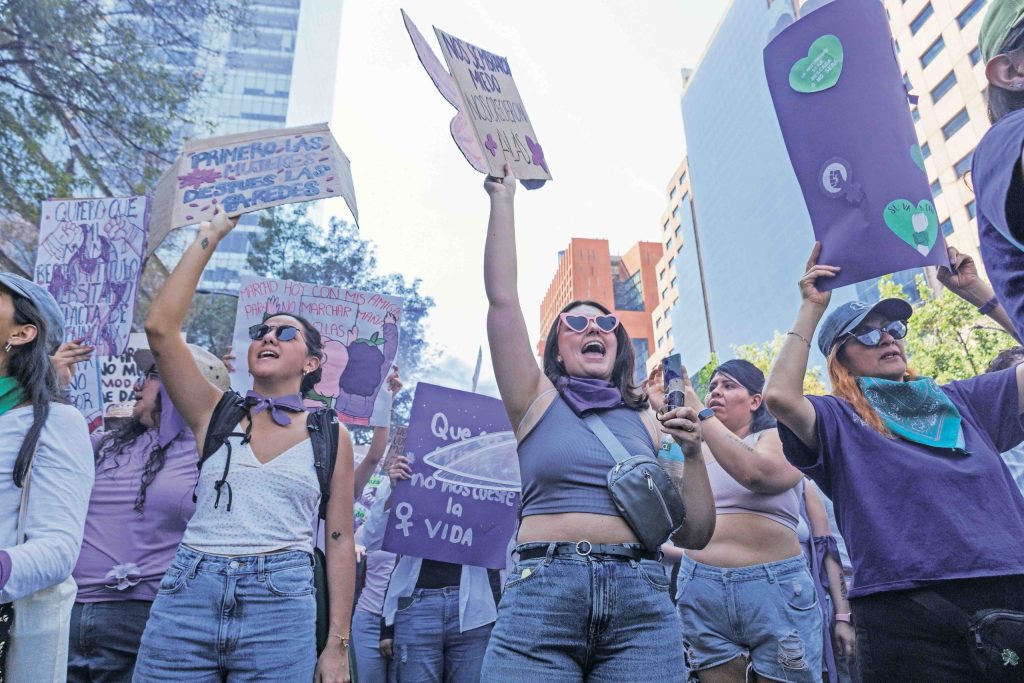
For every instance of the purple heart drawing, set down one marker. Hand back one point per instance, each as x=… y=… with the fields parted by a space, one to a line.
x=491 y=145
x=538 y=154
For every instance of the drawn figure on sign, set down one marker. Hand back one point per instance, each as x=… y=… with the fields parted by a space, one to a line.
x=368 y=360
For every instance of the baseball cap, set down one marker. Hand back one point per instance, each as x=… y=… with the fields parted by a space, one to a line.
x=213 y=368
x=847 y=317
x=44 y=302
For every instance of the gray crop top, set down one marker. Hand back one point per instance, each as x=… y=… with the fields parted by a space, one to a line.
x=564 y=466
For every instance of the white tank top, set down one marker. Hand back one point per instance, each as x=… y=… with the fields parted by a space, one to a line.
x=273 y=505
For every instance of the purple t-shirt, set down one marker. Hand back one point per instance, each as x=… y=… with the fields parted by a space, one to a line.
x=999 y=192
x=138 y=546
x=910 y=514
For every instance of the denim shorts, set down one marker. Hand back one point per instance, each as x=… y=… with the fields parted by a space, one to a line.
x=573 y=618
x=247 y=618
x=768 y=612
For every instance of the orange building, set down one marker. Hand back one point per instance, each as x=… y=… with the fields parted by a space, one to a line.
x=626 y=284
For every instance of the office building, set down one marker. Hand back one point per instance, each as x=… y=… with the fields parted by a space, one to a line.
x=625 y=284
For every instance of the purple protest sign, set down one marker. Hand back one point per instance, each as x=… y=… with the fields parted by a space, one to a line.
x=842 y=107
x=439 y=519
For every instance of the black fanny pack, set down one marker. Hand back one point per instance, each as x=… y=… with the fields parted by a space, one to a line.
x=995 y=637
x=643 y=493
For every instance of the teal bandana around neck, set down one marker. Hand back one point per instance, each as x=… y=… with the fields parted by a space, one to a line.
x=11 y=394
x=916 y=410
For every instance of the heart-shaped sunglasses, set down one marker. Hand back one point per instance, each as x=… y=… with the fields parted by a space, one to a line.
x=606 y=322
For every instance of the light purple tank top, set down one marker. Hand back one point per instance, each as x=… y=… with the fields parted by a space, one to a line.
x=732 y=498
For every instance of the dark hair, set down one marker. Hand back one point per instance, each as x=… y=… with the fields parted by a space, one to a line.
x=314 y=347
x=1000 y=100
x=113 y=445
x=30 y=365
x=1007 y=358
x=750 y=378
x=622 y=371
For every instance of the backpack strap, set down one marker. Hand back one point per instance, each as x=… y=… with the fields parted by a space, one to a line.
x=228 y=412
x=324 y=433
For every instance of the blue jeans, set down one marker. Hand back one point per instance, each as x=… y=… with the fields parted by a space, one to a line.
x=570 y=618
x=371 y=665
x=429 y=646
x=219 y=618
x=767 y=611
x=105 y=640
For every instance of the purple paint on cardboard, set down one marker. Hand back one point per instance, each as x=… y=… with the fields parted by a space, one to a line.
x=865 y=121
x=440 y=521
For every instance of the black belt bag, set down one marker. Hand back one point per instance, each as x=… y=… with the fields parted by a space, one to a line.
x=995 y=637
x=643 y=493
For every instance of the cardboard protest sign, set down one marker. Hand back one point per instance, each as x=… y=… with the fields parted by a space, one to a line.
x=118 y=375
x=445 y=521
x=85 y=394
x=250 y=171
x=842 y=107
x=360 y=332
x=492 y=126
x=90 y=258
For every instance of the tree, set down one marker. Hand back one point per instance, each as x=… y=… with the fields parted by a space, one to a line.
x=947 y=338
x=293 y=247
x=92 y=92
x=763 y=355
x=211 y=322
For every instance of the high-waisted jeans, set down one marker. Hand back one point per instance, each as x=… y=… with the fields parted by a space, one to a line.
x=239 y=619
x=569 y=618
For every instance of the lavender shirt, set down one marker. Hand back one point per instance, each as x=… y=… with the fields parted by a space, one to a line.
x=999 y=190
x=913 y=515
x=137 y=546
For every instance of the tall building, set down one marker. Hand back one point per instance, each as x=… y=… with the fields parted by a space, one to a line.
x=937 y=46
x=625 y=284
x=279 y=70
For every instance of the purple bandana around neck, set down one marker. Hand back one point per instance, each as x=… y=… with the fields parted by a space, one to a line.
x=277 y=406
x=584 y=394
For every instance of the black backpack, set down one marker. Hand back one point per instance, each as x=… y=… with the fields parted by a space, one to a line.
x=323 y=432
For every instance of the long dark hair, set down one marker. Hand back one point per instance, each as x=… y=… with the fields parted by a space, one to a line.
x=314 y=347
x=30 y=365
x=622 y=371
x=1000 y=100
x=113 y=444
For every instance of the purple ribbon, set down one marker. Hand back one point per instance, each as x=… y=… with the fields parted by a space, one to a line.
x=584 y=394
x=276 y=406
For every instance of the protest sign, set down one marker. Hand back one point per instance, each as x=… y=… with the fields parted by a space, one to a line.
x=365 y=499
x=441 y=520
x=118 y=375
x=250 y=171
x=842 y=107
x=90 y=258
x=84 y=392
x=360 y=333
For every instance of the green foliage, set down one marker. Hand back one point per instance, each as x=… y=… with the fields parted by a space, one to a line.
x=91 y=93
x=763 y=355
x=948 y=339
x=293 y=247
x=211 y=322
x=702 y=379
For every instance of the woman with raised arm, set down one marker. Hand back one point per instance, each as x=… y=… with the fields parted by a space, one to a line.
x=931 y=516
x=238 y=599
x=584 y=600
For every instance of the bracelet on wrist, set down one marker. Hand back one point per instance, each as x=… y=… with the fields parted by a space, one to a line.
x=989 y=306
x=801 y=337
x=843 y=616
x=344 y=639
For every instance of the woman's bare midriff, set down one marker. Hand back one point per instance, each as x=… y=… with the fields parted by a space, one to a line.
x=575 y=526
x=741 y=540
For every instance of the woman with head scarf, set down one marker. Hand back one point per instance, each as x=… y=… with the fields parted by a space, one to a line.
x=140 y=503
x=45 y=441
x=927 y=508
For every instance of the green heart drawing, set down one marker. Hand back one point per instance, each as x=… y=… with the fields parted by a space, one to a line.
x=918 y=225
x=820 y=69
x=917 y=156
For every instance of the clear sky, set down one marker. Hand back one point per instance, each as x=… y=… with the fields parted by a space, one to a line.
x=601 y=82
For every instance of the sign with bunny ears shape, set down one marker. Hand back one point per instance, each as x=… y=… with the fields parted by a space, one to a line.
x=491 y=127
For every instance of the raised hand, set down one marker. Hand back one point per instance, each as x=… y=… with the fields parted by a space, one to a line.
x=961 y=274
x=808 y=289
x=501 y=188
x=217 y=228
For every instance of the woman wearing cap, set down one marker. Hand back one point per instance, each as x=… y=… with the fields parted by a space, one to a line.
x=996 y=169
x=46 y=441
x=140 y=504
x=237 y=600
x=747 y=599
x=922 y=497
x=584 y=601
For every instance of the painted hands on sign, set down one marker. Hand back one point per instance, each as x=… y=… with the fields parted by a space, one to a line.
x=683 y=426
x=501 y=188
x=808 y=287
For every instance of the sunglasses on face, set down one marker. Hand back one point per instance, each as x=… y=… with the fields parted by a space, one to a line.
x=606 y=322
x=897 y=329
x=282 y=332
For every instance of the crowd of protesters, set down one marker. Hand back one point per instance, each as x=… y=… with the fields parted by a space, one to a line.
x=866 y=535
